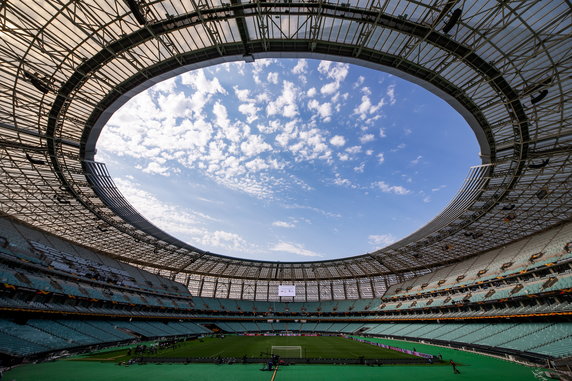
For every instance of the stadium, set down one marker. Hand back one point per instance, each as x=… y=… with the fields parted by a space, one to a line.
x=91 y=289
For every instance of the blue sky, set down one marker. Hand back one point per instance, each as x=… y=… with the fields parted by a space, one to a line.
x=288 y=160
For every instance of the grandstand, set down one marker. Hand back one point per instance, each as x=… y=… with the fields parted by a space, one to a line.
x=82 y=270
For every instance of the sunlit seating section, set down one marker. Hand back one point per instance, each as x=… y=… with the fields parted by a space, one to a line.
x=549 y=246
x=564 y=281
x=526 y=254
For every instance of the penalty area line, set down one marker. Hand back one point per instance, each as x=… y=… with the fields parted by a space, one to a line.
x=274 y=374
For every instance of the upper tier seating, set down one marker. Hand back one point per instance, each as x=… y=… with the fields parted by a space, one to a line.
x=524 y=255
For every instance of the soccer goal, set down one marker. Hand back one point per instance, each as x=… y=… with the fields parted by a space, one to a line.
x=287 y=351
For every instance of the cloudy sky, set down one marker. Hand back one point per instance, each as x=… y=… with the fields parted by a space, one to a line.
x=288 y=160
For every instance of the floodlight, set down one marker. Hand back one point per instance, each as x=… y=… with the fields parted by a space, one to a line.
x=539 y=97
x=35 y=161
x=543 y=164
x=135 y=8
x=453 y=20
x=37 y=82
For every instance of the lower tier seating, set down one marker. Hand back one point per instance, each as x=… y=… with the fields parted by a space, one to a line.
x=42 y=336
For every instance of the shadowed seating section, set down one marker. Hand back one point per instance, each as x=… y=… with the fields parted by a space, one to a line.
x=546 y=338
x=39 y=336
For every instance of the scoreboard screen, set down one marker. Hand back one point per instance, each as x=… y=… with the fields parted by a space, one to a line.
x=286 y=290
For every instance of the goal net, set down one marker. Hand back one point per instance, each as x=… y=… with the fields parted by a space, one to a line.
x=287 y=351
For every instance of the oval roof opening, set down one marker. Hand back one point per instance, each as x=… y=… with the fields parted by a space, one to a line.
x=288 y=160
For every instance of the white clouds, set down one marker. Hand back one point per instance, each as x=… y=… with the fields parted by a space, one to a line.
x=198 y=81
x=250 y=110
x=285 y=104
x=283 y=224
x=166 y=86
x=381 y=240
x=221 y=115
x=165 y=215
x=399 y=147
x=313 y=209
x=272 y=78
x=242 y=95
x=258 y=164
x=337 y=72
x=258 y=66
x=300 y=67
x=324 y=110
x=225 y=240
x=360 y=168
x=254 y=145
x=366 y=108
x=330 y=88
x=338 y=141
x=311 y=145
x=339 y=180
x=353 y=150
x=293 y=248
x=284 y=141
x=359 y=82
x=391 y=94
x=366 y=138
x=156 y=168
x=395 y=189
x=324 y=66
x=417 y=160
x=189 y=225
x=271 y=127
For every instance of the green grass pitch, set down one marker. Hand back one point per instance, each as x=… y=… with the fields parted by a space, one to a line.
x=474 y=367
x=325 y=347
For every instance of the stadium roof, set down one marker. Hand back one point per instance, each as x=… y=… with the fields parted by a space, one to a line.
x=68 y=65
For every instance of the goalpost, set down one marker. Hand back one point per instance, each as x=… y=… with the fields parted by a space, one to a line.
x=287 y=351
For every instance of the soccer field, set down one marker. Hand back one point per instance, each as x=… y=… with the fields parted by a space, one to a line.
x=474 y=367
x=312 y=347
